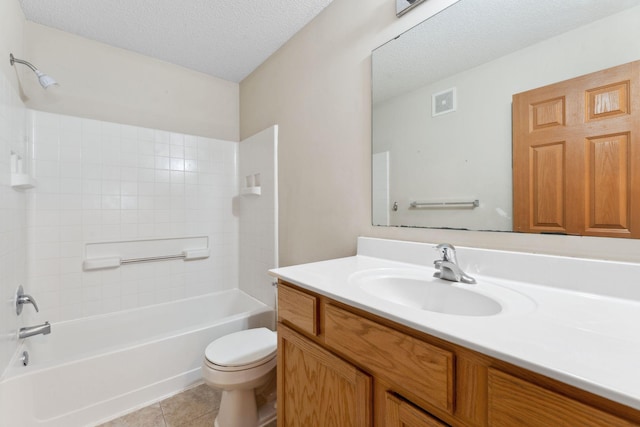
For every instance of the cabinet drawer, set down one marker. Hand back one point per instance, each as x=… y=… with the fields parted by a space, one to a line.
x=298 y=309
x=400 y=413
x=420 y=369
x=513 y=401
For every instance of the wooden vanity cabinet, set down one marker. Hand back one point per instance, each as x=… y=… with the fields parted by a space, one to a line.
x=515 y=402
x=341 y=366
x=317 y=388
x=298 y=308
x=400 y=413
x=417 y=368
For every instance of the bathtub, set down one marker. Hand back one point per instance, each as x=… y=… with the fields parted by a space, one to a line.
x=92 y=370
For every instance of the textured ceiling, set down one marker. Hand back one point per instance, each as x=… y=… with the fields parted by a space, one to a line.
x=473 y=32
x=224 y=38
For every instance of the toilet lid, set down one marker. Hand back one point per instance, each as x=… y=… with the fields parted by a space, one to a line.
x=242 y=348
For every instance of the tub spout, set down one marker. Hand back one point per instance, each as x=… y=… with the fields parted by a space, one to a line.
x=30 y=331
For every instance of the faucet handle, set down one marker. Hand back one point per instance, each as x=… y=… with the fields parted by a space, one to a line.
x=447 y=252
x=22 y=298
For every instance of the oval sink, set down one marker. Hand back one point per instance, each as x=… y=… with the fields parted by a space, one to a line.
x=431 y=295
x=418 y=289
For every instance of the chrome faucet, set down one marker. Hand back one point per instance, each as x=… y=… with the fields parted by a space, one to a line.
x=22 y=298
x=447 y=266
x=30 y=331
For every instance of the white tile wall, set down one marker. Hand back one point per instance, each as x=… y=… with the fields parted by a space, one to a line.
x=12 y=218
x=259 y=215
x=100 y=181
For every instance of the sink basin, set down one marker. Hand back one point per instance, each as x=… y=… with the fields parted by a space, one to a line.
x=418 y=289
x=432 y=295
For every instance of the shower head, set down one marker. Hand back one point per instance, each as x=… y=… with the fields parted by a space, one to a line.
x=45 y=80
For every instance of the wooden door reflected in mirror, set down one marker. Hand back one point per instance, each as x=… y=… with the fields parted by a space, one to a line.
x=576 y=155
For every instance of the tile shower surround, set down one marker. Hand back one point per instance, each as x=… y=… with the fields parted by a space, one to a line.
x=100 y=181
x=13 y=221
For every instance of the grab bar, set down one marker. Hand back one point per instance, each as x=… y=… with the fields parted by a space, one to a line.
x=152 y=259
x=472 y=204
x=113 y=262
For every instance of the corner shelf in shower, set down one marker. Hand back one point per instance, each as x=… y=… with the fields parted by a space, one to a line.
x=22 y=181
x=251 y=191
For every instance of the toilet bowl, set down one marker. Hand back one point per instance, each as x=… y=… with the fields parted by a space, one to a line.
x=237 y=364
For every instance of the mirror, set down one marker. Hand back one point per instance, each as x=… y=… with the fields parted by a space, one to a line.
x=442 y=101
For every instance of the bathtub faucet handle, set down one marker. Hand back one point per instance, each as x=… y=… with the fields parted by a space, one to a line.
x=22 y=298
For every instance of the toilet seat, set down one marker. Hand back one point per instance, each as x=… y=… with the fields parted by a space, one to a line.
x=242 y=350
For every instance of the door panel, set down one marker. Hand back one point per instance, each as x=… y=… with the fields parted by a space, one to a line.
x=576 y=155
x=608 y=184
x=547 y=187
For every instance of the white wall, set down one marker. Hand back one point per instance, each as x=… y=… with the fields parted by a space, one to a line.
x=317 y=88
x=106 y=83
x=438 y=158
x=259 y=215
x=81 y=164
x=104 y=181
x=12 y=202
x=435 y=159
x=99 y=181
x=12 y=22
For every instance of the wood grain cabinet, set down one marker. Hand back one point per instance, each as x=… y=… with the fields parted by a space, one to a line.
x=318 y=389
x=516 y=402
x=341 y=366
x=400 y=413
x=298 y=308
x=417 y=368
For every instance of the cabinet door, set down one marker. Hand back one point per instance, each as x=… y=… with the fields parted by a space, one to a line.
x=317 y=388
x=400 y=413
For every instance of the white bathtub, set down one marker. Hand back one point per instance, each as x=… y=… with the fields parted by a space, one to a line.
x=91 y=370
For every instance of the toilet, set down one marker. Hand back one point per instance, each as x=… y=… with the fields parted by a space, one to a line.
x=237 y=364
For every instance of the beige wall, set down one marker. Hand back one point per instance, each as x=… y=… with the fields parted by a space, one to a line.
x=11 y=40
x=106 y=83
x=317 y=89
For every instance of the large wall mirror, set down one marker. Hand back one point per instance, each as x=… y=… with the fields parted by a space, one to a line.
x=442 y=138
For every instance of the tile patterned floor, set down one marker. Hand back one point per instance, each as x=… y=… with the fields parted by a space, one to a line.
x=196 y=407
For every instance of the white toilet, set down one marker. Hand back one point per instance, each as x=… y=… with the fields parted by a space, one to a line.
x=237 y=364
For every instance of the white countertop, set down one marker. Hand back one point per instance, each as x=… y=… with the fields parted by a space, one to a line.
x=588 y=340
